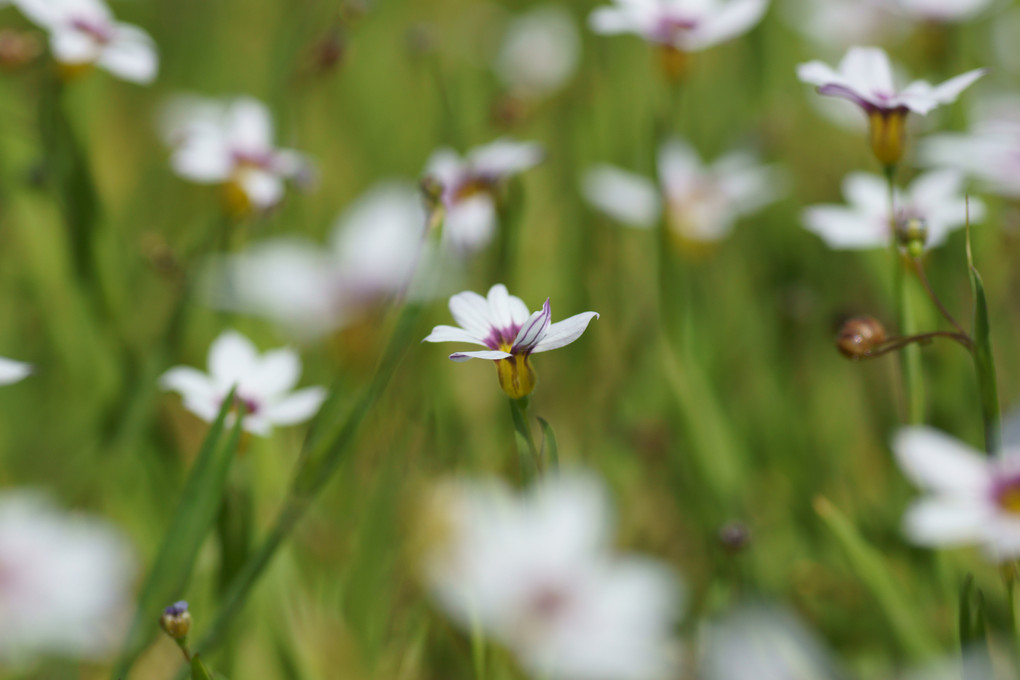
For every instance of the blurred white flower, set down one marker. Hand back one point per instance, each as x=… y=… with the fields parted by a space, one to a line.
x=945 y=11
x=685 y=25
x=842 y=23
x=264 y=385
x=702 y=203
x=974 y=499
x=12 y=371
x=377 y=250
x=865 y=77
x=536 y=572
x=540 y=52
x=64 y=581
x=936 y=198
x=762 y=642
x=502 y=323
x=230 y=142
x=84 y=32
x=990 y=152
x=469 y=187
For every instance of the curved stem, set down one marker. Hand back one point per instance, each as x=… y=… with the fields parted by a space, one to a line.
x=923 y=278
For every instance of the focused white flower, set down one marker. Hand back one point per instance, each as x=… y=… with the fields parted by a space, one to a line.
x=973 y=499
x=230 y=143
x=264 y=385
x=64 y=581
x=540 y=52
x=469 y=188
x=502 y=323
x=376 y=250
x=934 y=199
x=865 y=77
x=990 y=152
x=536 y=572
x=944 y=11
x=702 y=203
x=12 y=371
x=84 y=32
x=684 y=25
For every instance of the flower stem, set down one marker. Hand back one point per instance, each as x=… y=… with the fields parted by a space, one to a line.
x=910 y=359
x=531 y=461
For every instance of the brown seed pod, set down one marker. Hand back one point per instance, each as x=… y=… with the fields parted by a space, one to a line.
x=860 y=336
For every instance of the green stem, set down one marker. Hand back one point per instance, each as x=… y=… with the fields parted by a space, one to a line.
x=525 y=440
x=910 y=358
x=984 y=360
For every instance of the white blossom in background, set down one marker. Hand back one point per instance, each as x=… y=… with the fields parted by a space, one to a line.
x=84 y=32
x=936 y=198
x=230 y=143
x=65 y=582
x=538 y=574
x=702 y=202
x=865 y=77
x=842 y=23
x=940 y=11
x=972 y=499
x=989 y=152
x=377 y=250
x=540 y=52
x=470 y=187
x=12 y=371
x=265 y=385
x=503 y=324
x=684 y=25
x=762 y=642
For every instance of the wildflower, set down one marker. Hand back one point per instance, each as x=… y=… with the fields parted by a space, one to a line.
x=263 y=385
x=973 y=498
x=865 y=77
x=934 y=199
x=842 y=23
x=502 y=323
x=176 y=620
x=940 y=11
x=64 y=581
x=470 y=186
x=12 y=371
x=989 y=152
x=536 y=573
x=702 y=203
x=376 y=250
x=230 y=143
x=84 y=32
x=539 y=53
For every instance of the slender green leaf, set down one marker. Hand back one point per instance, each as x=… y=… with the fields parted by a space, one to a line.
x=550 y=450
x=984 y=360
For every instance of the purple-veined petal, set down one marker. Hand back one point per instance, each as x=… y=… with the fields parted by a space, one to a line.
x=452 y=334
x=937 y=462
x=867 y=71
x=532 y=330
x=564 y=332
x=506 y=310
x=295 y=408
x=131 y=55
x=491 y=354
x=471 y=311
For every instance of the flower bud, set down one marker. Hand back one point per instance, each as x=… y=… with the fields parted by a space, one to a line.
x=176 y=620
x=888 y=135
x=912 y=234
x=859 y=336
x=516 y=376
x=675 y=64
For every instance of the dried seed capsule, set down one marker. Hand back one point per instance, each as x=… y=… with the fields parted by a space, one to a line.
x=860 y=336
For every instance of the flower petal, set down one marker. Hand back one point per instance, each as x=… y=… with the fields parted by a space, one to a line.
x=532 y=330
x=131 y=55
x=232 y=358
x=503 y=158
x=945 y=521
x=729 y=21
x=564 y=332
x=506 y=310
x=12 y=371
x=470 y=224
x=190 y=383
x=452 y=334
x=624 y=196
x=295 y=408
x=480 y=354
x=276 y=372
x=844 y=229
x=250 y=125
x=71 y=46
x=867 y=70
x=948 y=91
x=264 y=189
x=937 y=462
x=471 y=311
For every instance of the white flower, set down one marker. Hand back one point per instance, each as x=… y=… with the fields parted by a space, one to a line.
x=85 y=32
x=702 y=202
x=946 y=11
x=503 y=324
x=264 y=383
x=973 y=499
x=230 y=142
x=64 y=581
x=469 y=187
x=936 y=198
x=12 y=371
x=536 y=573
x=685 y=25
x=540 y=52
x=865 y=77
x=842 y=23
x=376 y=251
x=990 y=152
